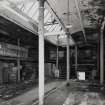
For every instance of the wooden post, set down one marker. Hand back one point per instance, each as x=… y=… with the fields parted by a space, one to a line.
x=18 y=60
x=68 y=59
x=76 y=60
x=41 y=51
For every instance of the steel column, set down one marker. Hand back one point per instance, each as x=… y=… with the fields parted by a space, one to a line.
x=68 y=59
x=68 y=43
x=101 y=57
x=41 y=51
x=18 y=60
x=57 y=60
x=98 y=59
x=76 y=60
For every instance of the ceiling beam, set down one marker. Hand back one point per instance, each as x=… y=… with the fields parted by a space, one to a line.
x=59 y=20
x=50 y=23
x=54 y=33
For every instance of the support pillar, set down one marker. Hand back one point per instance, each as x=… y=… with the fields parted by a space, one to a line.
x=68 y=43
x=76 y=60
x=57 y=60
x=101 y=56
x=98 y=59
x=41 y=51
x=68 y=59
x=18 y=60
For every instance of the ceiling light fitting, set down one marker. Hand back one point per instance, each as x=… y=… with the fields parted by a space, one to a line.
x=69 y=26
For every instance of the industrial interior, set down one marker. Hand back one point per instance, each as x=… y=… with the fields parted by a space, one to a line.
x=52 y=52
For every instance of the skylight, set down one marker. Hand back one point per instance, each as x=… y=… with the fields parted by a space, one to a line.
x=30 y=9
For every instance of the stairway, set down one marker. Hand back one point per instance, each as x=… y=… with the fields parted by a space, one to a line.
x=62 y=74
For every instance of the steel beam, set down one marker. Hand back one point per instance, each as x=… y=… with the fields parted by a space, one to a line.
x=80 y=17
x=59 y=20
x=31 y=7
x=54 y=33
x=50 y=23
x=41 y=51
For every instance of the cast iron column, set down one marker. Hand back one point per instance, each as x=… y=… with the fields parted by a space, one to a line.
x=68 y=59
x=76 y=60
x=57 y=60
x=18 y=60
x=102 y=55
x=41 y=51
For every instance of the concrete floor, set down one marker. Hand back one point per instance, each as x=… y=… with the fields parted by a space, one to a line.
x=81 y=98
x=78 y=93
x=28 y=97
